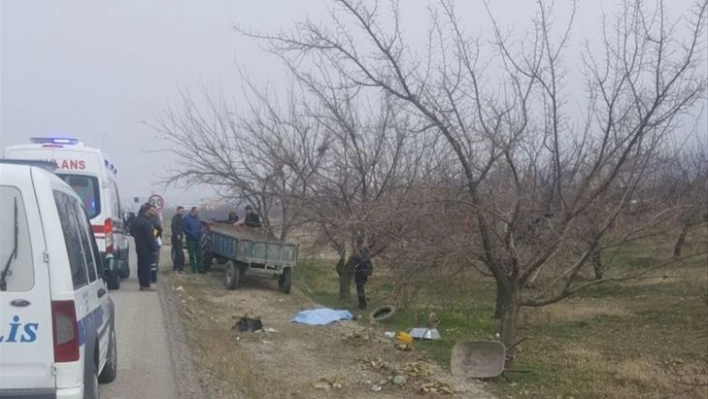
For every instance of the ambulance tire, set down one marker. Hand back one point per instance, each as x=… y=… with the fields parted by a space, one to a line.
x=113 y=281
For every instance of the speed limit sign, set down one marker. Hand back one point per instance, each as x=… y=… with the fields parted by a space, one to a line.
x=156 y=201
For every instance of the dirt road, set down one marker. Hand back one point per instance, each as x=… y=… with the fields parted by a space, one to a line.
x=153 y=360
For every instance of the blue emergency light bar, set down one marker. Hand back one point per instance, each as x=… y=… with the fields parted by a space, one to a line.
x=54 y=140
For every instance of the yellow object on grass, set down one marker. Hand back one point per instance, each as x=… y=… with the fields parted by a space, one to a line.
x=404 y=338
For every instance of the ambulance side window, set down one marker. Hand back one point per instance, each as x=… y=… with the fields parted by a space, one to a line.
x=72 y=238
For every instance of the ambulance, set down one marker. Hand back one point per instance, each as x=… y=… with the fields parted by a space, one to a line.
x=94 y=179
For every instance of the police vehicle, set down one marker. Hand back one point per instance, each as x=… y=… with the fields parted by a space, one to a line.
x=57 y=333
x=94 y=178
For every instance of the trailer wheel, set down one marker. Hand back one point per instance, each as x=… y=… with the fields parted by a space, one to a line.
x=233 y=275
x=286 y=281
x=207 y=255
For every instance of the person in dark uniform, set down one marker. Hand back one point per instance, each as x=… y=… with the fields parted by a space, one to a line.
x=145 y=244
x=177 y=243
x=362 y=271
x=252 y=218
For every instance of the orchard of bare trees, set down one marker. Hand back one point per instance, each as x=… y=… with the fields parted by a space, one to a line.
x=470 y=151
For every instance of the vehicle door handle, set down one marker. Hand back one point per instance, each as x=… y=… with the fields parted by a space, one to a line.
x=101 y=292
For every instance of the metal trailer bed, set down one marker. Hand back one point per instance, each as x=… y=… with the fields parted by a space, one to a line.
x=245 y=251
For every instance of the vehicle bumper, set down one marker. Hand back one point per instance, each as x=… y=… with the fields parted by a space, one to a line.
x=49 y=393
x=70 y=393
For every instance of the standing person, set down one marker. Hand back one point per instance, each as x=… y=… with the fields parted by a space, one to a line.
x=157 y=232
x=193 y=232
x=362 y=271
x=145 y=244
x=177 y=237
x=252 y=218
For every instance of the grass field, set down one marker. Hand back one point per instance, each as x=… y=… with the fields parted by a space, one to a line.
x=645 y=338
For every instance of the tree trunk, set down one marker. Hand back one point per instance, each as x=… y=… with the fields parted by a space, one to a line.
x=681 y=239
x=345 y=271
x=596 y=260
x=510 y=316
x=501 y=297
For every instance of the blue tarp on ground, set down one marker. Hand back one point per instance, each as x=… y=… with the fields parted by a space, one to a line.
x=321 y=316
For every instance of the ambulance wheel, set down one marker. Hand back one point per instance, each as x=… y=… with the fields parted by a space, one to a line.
x=113 y=281
x=126 y=256
x=233 y=275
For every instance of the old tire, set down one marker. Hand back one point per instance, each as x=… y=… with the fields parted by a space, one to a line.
x=233 y=275
x=113 y=280
x=285 y=282
x=382 y=313
x=207 y=255
x=110 y=370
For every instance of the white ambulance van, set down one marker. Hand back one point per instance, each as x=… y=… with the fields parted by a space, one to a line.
x=57 y=331
x=94 y=178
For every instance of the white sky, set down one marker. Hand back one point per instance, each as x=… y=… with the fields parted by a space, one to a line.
x=97 y=70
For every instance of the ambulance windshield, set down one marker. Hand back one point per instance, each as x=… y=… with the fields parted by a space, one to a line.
x=87 y=189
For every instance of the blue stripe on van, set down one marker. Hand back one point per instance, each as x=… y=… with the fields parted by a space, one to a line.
x=90 y=322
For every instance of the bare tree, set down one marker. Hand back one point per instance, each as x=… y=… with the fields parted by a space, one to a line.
x=263 y=156
x=369 y=162
x=523 y=153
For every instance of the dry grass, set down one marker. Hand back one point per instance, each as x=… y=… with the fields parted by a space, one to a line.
x=573 y=311
x=287 y=363
x=641 y=373
x=214 y=349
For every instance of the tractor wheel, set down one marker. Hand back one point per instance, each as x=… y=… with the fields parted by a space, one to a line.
x=207 y=255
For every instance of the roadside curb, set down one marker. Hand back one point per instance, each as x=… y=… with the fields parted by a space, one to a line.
x=187 y=379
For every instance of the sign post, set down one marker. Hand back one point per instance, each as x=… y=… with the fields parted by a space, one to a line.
x=157 y=201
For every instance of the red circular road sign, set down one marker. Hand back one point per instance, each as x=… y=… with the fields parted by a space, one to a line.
x=157 y=201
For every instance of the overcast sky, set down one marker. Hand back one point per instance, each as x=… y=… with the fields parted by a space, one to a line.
x=97 y=70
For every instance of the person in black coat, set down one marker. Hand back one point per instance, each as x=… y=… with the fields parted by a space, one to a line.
x=362 y=271
x=252 y=218
x=176 y=240
x=145 y=244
